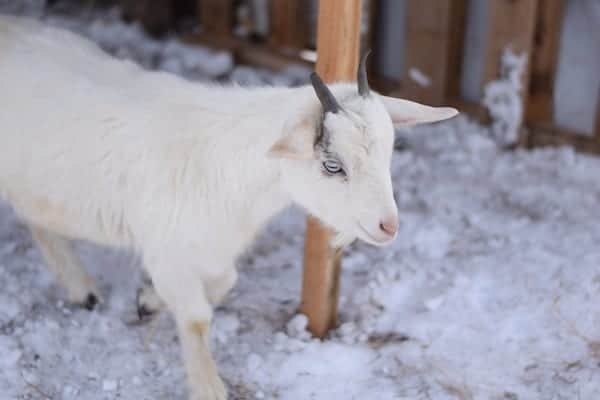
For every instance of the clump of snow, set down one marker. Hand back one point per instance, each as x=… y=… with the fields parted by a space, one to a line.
x=419 y=77
x=226 y=328
x=110 y=385
x=297 y=327
x=503 y=100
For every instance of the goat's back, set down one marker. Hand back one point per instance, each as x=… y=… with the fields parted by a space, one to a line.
x=75 y=126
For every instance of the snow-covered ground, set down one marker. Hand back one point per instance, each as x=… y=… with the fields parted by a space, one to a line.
x=491 y=290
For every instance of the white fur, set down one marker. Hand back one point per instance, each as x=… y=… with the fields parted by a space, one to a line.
x=183 y=173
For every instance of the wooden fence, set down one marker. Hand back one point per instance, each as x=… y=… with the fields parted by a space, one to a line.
x=433 y=45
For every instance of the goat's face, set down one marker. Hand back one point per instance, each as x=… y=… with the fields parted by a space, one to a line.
x=336 y=159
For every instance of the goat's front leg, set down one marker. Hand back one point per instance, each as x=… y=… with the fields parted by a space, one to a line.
x=67 y=267
x=186 y=298
x=203 y=377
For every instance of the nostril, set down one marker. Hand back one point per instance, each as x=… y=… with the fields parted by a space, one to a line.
x=390 y=227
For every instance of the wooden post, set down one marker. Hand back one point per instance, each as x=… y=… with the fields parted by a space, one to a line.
x=435 y=36
x=338 y=38
x=544 y=61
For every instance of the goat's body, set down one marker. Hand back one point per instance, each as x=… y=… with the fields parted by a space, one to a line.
x=100 y=149
x=184 y=174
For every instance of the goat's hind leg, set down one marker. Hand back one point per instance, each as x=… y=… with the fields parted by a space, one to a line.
x=148 y=302
x=67 y=267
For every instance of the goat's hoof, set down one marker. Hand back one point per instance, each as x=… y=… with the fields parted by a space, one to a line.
x=148 y=303
x=144 y=312
x=91 y=302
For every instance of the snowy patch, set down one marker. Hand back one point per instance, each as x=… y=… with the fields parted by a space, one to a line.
x=490 y=291
x=503 y=100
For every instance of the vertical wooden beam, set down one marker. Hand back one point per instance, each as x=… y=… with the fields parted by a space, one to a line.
x=216 y=17
x=511 y=24
x=456 y=44
x=338 y=38
x=597 y=130
x=544 y=61
x=435 y=35
x=289 y=24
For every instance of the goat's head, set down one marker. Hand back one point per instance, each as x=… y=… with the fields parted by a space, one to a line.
x=337 y=157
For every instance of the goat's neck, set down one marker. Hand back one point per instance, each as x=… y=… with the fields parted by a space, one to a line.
x=250 y=181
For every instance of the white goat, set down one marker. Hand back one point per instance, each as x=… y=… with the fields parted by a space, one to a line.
x=182 y=173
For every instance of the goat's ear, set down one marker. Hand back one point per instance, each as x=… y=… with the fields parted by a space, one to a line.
x=298 y=141
x=407 y=113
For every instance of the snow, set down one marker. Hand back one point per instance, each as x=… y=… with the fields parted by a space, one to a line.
x=489 y=292
x=503 y=100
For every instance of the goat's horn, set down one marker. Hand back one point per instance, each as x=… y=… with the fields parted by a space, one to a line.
x=363 y=82
x=325 y=96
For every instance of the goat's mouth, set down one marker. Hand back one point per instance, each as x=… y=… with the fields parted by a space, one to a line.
x=372 y=239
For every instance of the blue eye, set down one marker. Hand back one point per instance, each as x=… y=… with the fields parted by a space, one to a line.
x=333 y=167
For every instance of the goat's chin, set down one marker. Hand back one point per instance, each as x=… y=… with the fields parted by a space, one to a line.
x=375 y=243
x=342 y=239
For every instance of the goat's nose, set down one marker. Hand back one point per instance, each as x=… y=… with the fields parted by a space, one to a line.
x=389 y=225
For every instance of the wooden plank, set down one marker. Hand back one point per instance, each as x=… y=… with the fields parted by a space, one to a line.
x=267 y=57
x=216 y=16
x=544 y=134
x=229 y=43
x=338 y=40
x=262 y=55
x=597 y=133
x=288 y=24
x=434 y=37
x=544 y=61
x=511 y=25
x=455 y=46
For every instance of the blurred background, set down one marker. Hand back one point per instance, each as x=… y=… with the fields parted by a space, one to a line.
x=490 y=290
x=528 y=67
